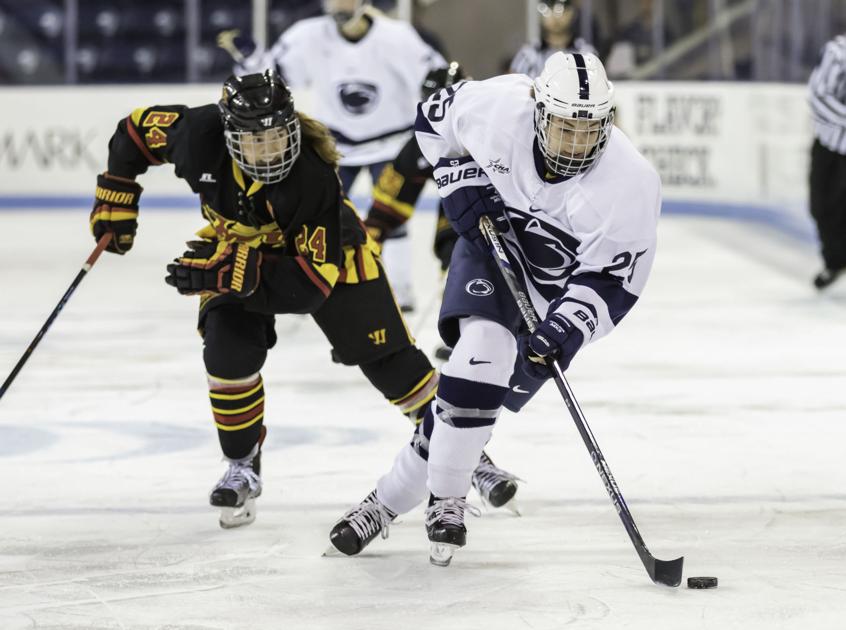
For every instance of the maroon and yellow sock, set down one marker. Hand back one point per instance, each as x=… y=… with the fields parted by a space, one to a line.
x=238 y=409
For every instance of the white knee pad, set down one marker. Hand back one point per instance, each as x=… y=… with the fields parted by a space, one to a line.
x=485 y=352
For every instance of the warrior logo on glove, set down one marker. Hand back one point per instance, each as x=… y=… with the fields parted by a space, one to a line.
x=116 y=210
x=216 y=267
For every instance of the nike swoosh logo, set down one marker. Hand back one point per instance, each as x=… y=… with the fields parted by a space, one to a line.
x=473 y=361
x=519 y=390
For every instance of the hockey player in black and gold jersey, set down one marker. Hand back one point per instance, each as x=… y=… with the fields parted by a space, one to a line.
x=281 y=238
x=396 y=191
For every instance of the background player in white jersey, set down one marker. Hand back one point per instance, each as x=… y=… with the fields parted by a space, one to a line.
x=578 y=207
x=558 y=19
x=365 y=72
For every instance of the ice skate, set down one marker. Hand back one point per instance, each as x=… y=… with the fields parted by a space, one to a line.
x=496 y=487
x=826 y=277
x=443 y=352
x=236 y=492
x=360 y=525
x=445 y=527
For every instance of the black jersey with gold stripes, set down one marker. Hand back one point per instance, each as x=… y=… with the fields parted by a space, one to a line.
x=309 y=231
x=395 y=194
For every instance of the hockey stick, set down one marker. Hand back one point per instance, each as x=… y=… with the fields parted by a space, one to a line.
x=101 y=245
x=431 y=304
x=667 y=572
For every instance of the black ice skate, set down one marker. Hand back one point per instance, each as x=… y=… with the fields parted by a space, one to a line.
x=826 y=277
x=235 y=494
x=360 y=525
x=495 y=486
x=445 y=527
x=443 y=352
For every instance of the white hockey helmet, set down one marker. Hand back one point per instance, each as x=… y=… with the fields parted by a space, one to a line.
x=574 y=112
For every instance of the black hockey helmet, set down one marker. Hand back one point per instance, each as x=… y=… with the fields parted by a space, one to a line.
x=261 y=126
x=441 y=78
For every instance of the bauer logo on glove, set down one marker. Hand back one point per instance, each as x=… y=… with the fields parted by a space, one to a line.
x=216 y=267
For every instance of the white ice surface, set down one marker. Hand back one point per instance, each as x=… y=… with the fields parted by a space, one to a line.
x=719 y=404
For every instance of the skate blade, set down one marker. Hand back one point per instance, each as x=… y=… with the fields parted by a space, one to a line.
x=513 y=507
x=440 y=554
x=231 y=518
x=332 y=552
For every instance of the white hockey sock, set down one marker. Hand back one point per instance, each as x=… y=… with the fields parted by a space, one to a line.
x=397 y=255
x=404 y=486
x=453 y=456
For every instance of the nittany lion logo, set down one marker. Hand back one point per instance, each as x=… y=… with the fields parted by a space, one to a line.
x=358 y=98
x=479 y=287
x=549 y=251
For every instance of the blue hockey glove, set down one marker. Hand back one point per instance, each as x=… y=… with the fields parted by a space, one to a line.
x=556 y=338
x=466 y=206
x=238 y=46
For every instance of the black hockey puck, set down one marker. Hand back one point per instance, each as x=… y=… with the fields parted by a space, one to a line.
x=701 y=582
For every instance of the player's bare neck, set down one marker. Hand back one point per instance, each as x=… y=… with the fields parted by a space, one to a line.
x=354 y=31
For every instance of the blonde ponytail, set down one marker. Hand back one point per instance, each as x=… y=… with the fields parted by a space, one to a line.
x=320 y=139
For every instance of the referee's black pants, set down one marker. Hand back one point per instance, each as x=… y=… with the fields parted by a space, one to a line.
x=828 y=203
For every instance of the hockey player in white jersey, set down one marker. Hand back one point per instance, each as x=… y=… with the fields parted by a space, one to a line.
x=365 y=72
x=578 y=207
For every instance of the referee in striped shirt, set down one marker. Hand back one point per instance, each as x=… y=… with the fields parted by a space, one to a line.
x=828 y=158
x=558 y=19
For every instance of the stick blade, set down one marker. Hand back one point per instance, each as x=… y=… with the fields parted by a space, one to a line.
x=666 y=572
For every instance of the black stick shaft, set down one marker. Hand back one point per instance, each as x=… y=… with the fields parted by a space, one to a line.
x=659 y=570
x=101 y=245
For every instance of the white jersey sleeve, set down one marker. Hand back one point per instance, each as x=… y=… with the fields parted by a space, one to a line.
x=615 y=254
x=437 y=131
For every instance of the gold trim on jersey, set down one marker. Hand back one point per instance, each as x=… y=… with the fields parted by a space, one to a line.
x=239 y=179
x=360 y=263
x=390 y=181
x=135 y=116
x=401 y=208
x=222 y=229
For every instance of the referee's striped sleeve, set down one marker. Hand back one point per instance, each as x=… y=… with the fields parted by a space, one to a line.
x=828 y=84
x=525 y=61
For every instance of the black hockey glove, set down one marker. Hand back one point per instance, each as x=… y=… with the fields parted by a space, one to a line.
x=116 y=210
x=466 y=206
x=555 y=338
x=216 y=267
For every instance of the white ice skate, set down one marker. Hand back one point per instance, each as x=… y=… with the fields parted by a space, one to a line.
x=236 y=492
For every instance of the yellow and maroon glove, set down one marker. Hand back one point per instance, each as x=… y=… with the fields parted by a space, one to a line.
x=216 y=267
x=116 y=210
